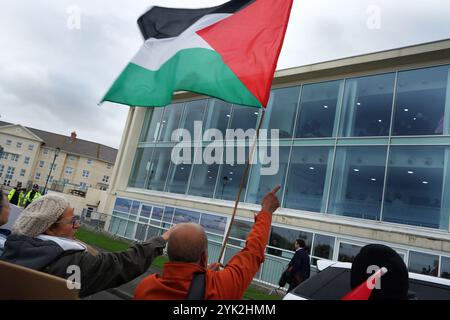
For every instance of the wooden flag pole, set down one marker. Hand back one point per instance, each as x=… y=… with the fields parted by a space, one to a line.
x=243 y=179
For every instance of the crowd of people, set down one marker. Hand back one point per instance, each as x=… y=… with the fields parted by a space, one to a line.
x=43 y=239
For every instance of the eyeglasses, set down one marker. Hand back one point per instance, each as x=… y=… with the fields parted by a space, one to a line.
x=74 y=221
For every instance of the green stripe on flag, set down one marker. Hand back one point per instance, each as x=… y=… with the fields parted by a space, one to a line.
x=198 y=70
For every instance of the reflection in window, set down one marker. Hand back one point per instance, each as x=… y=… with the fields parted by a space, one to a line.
x=141 y=169
x=170 y=121
x=218 y=115
x=178 y=178
x=285 y=238
x=306 y=178
x=423 y=263
x=146 y=211
x=262 y=184
x=323 y=246
x=414 y=187
x=367 y=106
x=152 y=127
x=123 y=205
x=240 y=229
x=282 y=110
x=229 y=182
x=194 y=111
x=141 y=232
x=348 y=252
x=316 y=116
x=358 y=180
x=153 y=232
x=168 y=214
x=203 y=180
x=244 y=118
x=213 y=223
x=135 y=207
x=158 y=168
x=445 y=267
x=129 y=231
x=157 y=213
x=420 y=102
x=182 y=216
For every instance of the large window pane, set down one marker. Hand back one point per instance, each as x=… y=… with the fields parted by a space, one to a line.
x=140 y=172
x=182 y=216
x=423 y=263
x=244 y=117
x=178 y=178
x=420 y=102
x=316 y=116
x=348 y=252
x=367 y=106
x=194 y=111
x=306 y=178
x=358 y=179
x=213 y=223
x=168 y=214
x=203 y=180
x=282 y=110
x=323 y=246
x=240 y=229
x=123 y=205
x=261 y=184
x=152 y=125
x=229 y=182
x=445 y=267
x=285 y=238
x=170 y=121
x=218 y=115
x=158 y=168
x=414 y=187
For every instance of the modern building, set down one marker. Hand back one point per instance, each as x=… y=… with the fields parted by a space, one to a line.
x=364 y=158
x=29 y=157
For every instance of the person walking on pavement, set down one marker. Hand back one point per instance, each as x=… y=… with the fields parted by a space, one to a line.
x=299 y=268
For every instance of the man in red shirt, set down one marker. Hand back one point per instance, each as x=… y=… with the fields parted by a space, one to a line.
x=187 y=249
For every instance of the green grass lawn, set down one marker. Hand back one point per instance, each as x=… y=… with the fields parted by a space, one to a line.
x=108 y=243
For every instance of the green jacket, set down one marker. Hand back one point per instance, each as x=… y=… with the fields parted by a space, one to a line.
x=11 y=195
x=28 y=199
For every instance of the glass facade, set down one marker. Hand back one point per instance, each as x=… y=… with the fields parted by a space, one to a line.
x=138 y=220
x=375 y=147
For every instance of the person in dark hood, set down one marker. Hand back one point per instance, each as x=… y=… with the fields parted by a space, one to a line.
x=43 y=238
x=4 y=215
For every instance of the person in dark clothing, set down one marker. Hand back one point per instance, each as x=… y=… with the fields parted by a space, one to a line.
x=43 y=239
x=16 y=194
x=299 y=267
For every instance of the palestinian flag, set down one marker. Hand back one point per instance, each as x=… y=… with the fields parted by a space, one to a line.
x=229 y=52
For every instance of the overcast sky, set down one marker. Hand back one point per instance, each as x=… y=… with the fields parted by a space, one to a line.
x=52 y=76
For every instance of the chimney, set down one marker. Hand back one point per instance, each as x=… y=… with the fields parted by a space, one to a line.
x=73 y=135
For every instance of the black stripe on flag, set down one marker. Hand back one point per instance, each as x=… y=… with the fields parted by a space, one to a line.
x=160 y=22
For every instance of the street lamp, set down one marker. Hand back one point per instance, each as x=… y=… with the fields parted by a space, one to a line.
x=51 y=169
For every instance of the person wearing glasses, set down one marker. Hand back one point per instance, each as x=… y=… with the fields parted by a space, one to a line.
x=43 y=238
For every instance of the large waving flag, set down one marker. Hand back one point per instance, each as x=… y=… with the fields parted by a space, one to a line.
x=229 y=52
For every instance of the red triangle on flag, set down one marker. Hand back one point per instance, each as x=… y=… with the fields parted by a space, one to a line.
x=250 y=42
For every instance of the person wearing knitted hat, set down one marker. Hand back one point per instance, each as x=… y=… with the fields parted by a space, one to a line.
x=43 y=238
x=394 y=284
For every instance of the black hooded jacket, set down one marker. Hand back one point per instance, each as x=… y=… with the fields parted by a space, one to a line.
x=98 y=272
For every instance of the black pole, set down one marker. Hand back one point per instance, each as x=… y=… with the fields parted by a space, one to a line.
x=51 y=169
